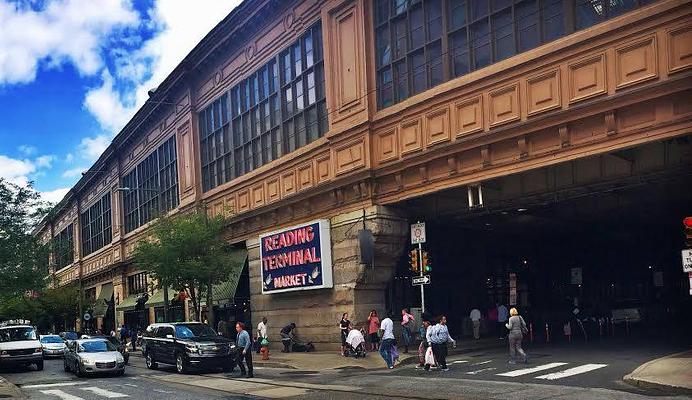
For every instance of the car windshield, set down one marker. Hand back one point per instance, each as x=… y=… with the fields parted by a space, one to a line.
x=189 y=331
x=51 y=339
x=114 y=340
x=71 y=335
x=96 y=346
x=17 y=334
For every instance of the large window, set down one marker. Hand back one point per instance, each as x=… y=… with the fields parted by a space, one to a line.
x=137 y=283
x=63 y=247
x=152 y=187
x=422 y=43
x=279 y=108
x=96 y=225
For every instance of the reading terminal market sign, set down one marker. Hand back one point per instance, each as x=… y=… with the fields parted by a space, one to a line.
x=297 y=258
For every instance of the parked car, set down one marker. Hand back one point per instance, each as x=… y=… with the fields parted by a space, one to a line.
x=122 y=348
x=19 y=345
x=69 y=336
x=53 y=345
x=89 y=356
x=188 y=345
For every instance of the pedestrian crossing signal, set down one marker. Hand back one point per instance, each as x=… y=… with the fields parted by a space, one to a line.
x=426 y=262
x=413 y=260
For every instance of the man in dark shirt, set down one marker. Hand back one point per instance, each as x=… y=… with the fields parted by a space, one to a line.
x=287 y=337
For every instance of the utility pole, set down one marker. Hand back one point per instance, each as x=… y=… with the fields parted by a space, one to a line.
x=421 y=267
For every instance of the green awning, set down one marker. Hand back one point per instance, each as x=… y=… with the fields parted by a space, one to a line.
x=101 y=305
x=129 y=303
x=224 y=292
x=156 y=300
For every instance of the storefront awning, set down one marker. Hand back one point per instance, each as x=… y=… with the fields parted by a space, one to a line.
x=101 y=305
x=129 y=303
x=156 y=300
x=224 y=292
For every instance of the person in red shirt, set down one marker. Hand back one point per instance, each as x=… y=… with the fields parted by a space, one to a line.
x=373 y=327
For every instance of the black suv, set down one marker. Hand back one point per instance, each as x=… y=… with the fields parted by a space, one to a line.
x=187 y=345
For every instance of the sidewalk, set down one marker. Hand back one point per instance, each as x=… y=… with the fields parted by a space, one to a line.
x=670 y=373
x=9 y=390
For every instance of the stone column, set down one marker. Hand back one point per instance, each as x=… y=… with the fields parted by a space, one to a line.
x=358 y=288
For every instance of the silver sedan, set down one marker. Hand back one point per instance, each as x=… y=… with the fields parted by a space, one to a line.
x=91 y=356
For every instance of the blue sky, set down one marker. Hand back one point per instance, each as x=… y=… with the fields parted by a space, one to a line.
x=73 y=72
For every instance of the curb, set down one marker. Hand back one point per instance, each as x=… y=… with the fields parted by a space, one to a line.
x=9 y=390
x=644 y=384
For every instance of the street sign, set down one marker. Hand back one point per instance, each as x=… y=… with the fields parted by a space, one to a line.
x=87 y=316
x=418 y=233
x=420 y=280
x=687 y=260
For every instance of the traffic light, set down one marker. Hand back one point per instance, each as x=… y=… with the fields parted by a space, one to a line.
x=427 y=267
x=413 y=260
x=687 y=222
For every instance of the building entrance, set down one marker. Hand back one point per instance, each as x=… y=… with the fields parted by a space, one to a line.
x=595 y=243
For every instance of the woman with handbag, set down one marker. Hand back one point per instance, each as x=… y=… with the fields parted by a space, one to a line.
x=517 y=330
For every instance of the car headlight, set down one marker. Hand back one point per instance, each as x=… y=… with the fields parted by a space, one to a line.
x=3 y=353
x=87 y=361
x=119 y=359
x=38 y=350
x=192 y=348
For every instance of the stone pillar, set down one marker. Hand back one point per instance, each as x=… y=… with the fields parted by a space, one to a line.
x=358 y=288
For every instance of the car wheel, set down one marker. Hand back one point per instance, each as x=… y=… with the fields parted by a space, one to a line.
x=180 y=364
x=78 y=369
x=39 y=365
x=151 y=363
x=127 y=359
x=120 y=373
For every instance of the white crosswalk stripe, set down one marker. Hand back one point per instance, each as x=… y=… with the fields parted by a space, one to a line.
x=59 y=393
x=458 y=362
x=481 y=370
x=526 y=371
x=483 y=362
x=572 y=371
x=49 y=385
x=103 y=392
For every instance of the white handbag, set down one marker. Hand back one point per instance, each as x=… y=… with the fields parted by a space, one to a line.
x=429 y=357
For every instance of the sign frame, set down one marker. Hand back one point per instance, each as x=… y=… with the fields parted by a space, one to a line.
x=325 y=256
x=418 y=235
x=687 y=261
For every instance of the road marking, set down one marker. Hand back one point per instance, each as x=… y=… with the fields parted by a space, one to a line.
x=458 y=362
x=104 y=392
x=572 y=371
x=524 y=371
x=483 y=362
x=163 y=391
x=48 y=385
x=61 y=394
x=481 y=370
x=130 y=384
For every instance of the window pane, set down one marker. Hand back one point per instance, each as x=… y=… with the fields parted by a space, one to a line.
x=457 y=14
x=479 y=8
x=526 y=14
x=480 y=41
x=433 y=12
x=418 y=72
x=589 y=12
x=400 y=33
x=400 y=71
x=503 y=35
x=417 y=28
x=434 y=56
x=399 y=6
x=553 y=20
x=385 y=87
x=460 y=53
x=382 y=11
x=383 y=49
x=497 y=5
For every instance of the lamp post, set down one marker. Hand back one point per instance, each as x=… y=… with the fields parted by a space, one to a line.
x=163 y=284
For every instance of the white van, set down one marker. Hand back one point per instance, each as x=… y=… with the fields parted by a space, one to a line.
x=19 y=345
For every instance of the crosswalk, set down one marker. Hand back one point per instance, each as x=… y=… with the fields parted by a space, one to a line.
x=551 y=371
x=87 y=390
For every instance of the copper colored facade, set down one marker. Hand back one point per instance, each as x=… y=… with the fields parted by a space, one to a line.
x=617 y=84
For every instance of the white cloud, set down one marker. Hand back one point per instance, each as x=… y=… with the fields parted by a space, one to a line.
x=62 y=31
x=54 y=196
x=74 y=172
x=16 y=171
x=90 y=148
x=69 y=158
x=105 y=104
x=26 y=149
x=44 y=161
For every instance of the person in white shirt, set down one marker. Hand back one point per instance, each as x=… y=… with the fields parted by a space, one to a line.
x=387 y=327
x=476 y=321
x=261 y=332
x=439 y=336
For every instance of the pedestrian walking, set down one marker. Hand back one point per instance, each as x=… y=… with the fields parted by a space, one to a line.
x=243 y=343
x=439 y=337
x=407 y=322
x=123 y=334
x=133 y=338
x=261 y=333
x=388 y=341
x=475 y=316
x=373 y=327
x=287 y=337
x=517 y=329
x=344 y=328
x=423 y=345
x=222 y=328
x=502 y=317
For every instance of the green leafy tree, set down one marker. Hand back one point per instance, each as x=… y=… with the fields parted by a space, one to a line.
x=187 y=252
x=23 y=259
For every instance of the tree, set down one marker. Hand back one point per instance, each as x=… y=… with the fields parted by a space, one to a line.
x=23 y=259
x=187 y=252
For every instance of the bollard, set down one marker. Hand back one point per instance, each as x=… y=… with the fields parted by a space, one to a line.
x=531 y=331
x=547 y=333
x=567 y=329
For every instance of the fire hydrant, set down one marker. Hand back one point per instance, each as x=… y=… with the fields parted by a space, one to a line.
x=264 y=352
